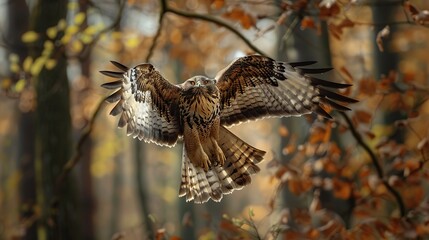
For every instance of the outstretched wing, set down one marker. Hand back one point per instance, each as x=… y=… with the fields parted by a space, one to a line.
x=254 y=87
x=147 y=103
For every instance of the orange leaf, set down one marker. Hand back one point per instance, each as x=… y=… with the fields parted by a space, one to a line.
x=326 y=12
x=218 y=4
x=307 y=22
x=283 y=131
x=363 y=116
x=342 y=190
x=238 y=14
x=367 y=86
x=413 y=10
x=346 y=72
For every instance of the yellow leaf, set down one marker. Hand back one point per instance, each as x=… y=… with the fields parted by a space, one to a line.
x=72 y=29
x=27 y=63
x=116 y=35
x=48 y=48
x=66 y=38
x=62 y=24
x=20 y=85
x=50 y=64
x=91 y=30
x=14 y=67
x=73 y=5
x=6 y=83
x=79 y=18
x=132 y=42
x=85 y=38
x=29 y=37
x=76 y=46
x=52 y=32
x=13 y=58
x=38 y=65
x=49 y=45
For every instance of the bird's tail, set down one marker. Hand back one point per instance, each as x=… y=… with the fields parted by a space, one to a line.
x=241 y=159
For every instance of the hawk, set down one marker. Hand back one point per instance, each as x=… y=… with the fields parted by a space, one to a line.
x=215 y=161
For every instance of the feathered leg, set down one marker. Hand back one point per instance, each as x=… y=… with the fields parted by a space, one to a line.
x=240 y=162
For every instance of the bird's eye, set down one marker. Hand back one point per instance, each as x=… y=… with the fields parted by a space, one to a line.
x=192 y=83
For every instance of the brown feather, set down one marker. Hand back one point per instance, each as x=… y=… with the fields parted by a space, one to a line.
x=147 y=103
x=254 y=87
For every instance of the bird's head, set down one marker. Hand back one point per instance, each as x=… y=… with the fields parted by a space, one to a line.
x=197 y=81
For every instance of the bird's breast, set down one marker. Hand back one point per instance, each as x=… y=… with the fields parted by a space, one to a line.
x=200 y=108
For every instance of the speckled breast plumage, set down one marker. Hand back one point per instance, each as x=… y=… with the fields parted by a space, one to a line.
x=200 y=107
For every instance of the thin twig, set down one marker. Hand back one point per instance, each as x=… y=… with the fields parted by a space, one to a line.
x=211 y=19
x=376 y=164
x=78 y=151
x=162 y=13
x=78 y=154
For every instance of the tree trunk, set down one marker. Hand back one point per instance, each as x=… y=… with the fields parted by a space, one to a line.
x=87 y=201
x=309 y=45
x=53 y=132
x=17 y=24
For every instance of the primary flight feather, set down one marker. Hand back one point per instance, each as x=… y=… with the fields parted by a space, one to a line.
x=215 y=161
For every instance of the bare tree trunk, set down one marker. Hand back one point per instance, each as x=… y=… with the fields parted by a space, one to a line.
x=142 y=188
x=18 y=16
x=386 y=61
x=53 y=132
x=308 y=45
x=87 y=201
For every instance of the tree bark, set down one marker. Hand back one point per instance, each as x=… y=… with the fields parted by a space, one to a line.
x=53 y=132
x=17 y=24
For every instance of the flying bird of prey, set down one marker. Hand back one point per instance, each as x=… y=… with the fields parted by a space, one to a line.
x=215 y=161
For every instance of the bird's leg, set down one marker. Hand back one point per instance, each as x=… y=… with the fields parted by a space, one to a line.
x=214 y=136
x=220 y=156
x=194 y=149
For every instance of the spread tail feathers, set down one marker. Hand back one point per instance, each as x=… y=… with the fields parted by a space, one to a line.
x=241 y=159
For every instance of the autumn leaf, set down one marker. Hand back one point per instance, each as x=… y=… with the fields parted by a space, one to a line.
x=342 y=189
x=329 y=9
x=218 y=4
x=29 y=37
x=337 y=29
x=420 y=17
x=367 y=86
x=283 y=131
x=308 y=22
x=346 y=72
x=238 y=14
x=382 y=34
x=362 y=116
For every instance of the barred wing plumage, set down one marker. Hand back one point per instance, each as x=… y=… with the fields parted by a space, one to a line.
x=147 y=103
x=254 y=87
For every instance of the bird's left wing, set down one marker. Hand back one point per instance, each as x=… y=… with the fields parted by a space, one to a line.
x=254 y=87
x=147 y=103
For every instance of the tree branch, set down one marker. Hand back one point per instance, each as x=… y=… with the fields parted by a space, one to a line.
x=167 y=9
x=86 y=134
x=376 y=164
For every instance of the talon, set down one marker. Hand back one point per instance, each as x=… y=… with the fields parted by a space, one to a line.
x=205 y=162
x=220 y=157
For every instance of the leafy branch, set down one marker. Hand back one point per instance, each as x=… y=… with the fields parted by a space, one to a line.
x=165 y=8
x=90 y=126
x=375 y=163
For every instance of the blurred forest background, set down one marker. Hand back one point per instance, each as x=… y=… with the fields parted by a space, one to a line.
x=67 y=172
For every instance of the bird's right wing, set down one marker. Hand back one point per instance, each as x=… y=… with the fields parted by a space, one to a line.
x=254 y=87
x=147 y=103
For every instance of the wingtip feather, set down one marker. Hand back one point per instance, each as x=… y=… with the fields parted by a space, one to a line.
x=112 y=74
x=120 y=66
